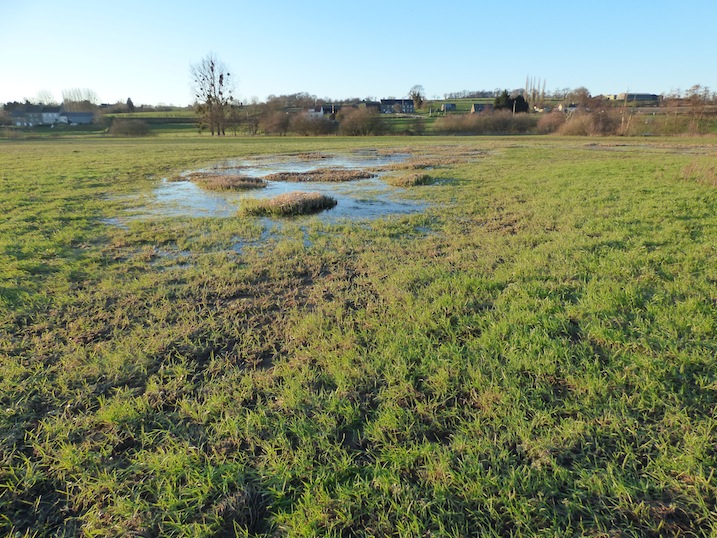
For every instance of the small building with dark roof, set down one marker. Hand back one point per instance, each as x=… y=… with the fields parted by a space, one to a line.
x=390 y=106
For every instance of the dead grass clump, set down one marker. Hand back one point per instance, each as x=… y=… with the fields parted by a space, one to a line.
x=324 y=175
x=311 y=156
x=426 y=163
x=289 y=204
x=223 y=182
x=700 y=173
x=394 y=151
x=409 y=180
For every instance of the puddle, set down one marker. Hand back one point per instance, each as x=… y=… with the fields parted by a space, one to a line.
x=362 y=199
x=266 y=166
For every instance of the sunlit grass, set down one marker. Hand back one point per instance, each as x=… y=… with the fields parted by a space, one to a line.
x=534 y=355
x=408 y=180
x=288 y=204
x=223 y=182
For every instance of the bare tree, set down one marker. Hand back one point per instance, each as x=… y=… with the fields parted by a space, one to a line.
x=79 y=100
x=45 y=97
x=211 y=82
x=417 y=94
x=697 y=97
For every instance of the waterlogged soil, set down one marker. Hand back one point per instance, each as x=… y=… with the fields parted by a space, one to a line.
x=358 y=199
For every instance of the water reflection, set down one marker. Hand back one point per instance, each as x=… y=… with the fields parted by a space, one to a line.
x=363 y=199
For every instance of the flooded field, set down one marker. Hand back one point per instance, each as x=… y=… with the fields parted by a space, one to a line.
x=360 y=199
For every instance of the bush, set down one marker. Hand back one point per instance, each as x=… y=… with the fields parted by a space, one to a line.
x=304 y=125
x=491 y=123
x=360 y=122
x=128 y=127
x=550 y=123
x=276 y=123
x=599 y=123
x=576 y=125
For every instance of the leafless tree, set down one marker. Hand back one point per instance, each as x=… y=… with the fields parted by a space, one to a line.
x=697 y=97
x=79 y=100
x=417 y=94
x=212 y=85
x=45 y=97
x=275 y=123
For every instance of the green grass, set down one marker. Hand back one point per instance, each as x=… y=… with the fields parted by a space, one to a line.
x=534 y=355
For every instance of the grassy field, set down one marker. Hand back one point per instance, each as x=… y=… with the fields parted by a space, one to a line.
x=532 y=355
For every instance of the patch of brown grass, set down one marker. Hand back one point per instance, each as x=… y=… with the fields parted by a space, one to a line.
x=700 y=173
x=311 y=156
x=432 y=161
x=289 y=204
x=224 y=182
x=408 y=180
x=324 y=175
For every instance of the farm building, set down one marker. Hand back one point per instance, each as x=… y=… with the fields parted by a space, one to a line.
x=389 y=106
x=77 y=118
x=36 y=115
x=320 y=111
x=448 y=107
x=32 y=116
x=638 y=98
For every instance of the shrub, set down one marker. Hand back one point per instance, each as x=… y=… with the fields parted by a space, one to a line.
x=304 y=125
x=289 y=204
x=493 y=123
x=276 y=123
x=128 y=127
x=550 y=123
x=360 y=122
x=576 y=125
x=598 y=123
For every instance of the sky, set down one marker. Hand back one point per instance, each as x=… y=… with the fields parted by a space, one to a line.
x=143 y=50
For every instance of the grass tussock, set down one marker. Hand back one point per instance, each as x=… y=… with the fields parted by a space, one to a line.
x=408 y=180
x=700 y=173
x=224 y=182
x=289 y=204
x=321 y=175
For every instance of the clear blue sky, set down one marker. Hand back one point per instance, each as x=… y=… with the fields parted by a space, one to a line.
x=143 y=49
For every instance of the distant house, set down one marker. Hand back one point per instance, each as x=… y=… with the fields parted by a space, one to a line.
x=643 y=99
x=50 y=115
x=448 y=107
x=77 y=118
x=315 y=113
x=321 y=111
x=390 y=106
x=32 y=115
x=477 y=108
x=35 y=115
x=330 y=110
